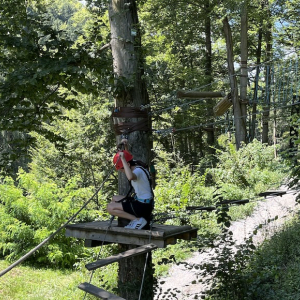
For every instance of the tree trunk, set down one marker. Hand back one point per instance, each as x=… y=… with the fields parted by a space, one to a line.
x=244 y=58
x=131 y=274
x=240 y=125
x=208 y=76
x=255 y=96
x=130 y=90
x=266 y=106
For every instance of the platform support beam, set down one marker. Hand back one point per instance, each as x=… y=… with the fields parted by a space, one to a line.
x=131 y=273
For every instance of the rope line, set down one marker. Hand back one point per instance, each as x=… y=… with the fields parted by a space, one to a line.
x=250 y=68
x=224 y=121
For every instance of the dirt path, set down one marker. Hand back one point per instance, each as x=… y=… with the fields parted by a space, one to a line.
x=180 y=279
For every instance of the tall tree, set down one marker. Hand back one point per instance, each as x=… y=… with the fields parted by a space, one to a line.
x=240 y=132
x=267 y=104
x=130 y=91
x=256 y=79
x=208 y=8
x=36 y=83
x=244 y=58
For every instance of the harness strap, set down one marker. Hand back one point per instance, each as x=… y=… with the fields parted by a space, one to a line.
x=131 y=187
x=127 y=195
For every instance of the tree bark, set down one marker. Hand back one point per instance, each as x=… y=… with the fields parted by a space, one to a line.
x=131 y=273
x=244 y=58
x=130 y=90
x=266 y=106
x=240 y=126
x=255 y=96
x=208 y=76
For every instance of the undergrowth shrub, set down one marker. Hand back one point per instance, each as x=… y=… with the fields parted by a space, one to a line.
x=176 y=187
x=32 y=209
x=253 y=167
x=270 y=271
x=273 y=272
x=238 y=175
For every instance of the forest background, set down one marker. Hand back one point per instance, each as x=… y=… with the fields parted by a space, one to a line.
x=58 y=91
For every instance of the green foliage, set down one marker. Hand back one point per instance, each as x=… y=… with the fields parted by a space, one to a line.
x=175 y=185
x=46 y=76
x=268 y=272
x=33 y=210
x=252 y=167
x=88 y=138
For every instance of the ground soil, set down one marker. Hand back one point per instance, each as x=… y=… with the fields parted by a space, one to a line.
x=180 y=282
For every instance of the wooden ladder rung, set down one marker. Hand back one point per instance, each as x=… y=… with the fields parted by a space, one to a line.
x=114 y=258
x=99 y=293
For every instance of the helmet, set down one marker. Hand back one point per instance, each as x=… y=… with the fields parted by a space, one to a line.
x=117 y=160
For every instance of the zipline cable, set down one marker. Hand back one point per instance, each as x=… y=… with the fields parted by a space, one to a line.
x=226 y=203
x=236 y=74
x=172 y=129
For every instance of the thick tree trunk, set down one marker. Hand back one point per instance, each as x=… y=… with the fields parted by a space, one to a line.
x=131 y=275
x=130 y=91
x=240 y=126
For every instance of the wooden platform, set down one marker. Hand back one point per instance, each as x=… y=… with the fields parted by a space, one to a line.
x=161 y=235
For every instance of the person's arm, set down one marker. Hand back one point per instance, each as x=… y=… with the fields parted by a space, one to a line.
x=125 y=143
x=128 y=172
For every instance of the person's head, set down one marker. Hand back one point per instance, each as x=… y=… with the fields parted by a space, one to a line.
x=118 y=162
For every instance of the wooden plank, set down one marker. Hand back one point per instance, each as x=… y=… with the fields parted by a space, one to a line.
x=158 y=230
x=272 y=193
x=113 y=238
x=103 y=225
x=99 y=293
x=197 y=94
x=161 y=235
x=114 y=258
x=223 y=105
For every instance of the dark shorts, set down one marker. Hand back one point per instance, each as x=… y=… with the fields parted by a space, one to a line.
x=138 y=208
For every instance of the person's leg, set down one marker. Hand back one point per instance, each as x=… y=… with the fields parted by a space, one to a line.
x=117 y=198
x=116 y=209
